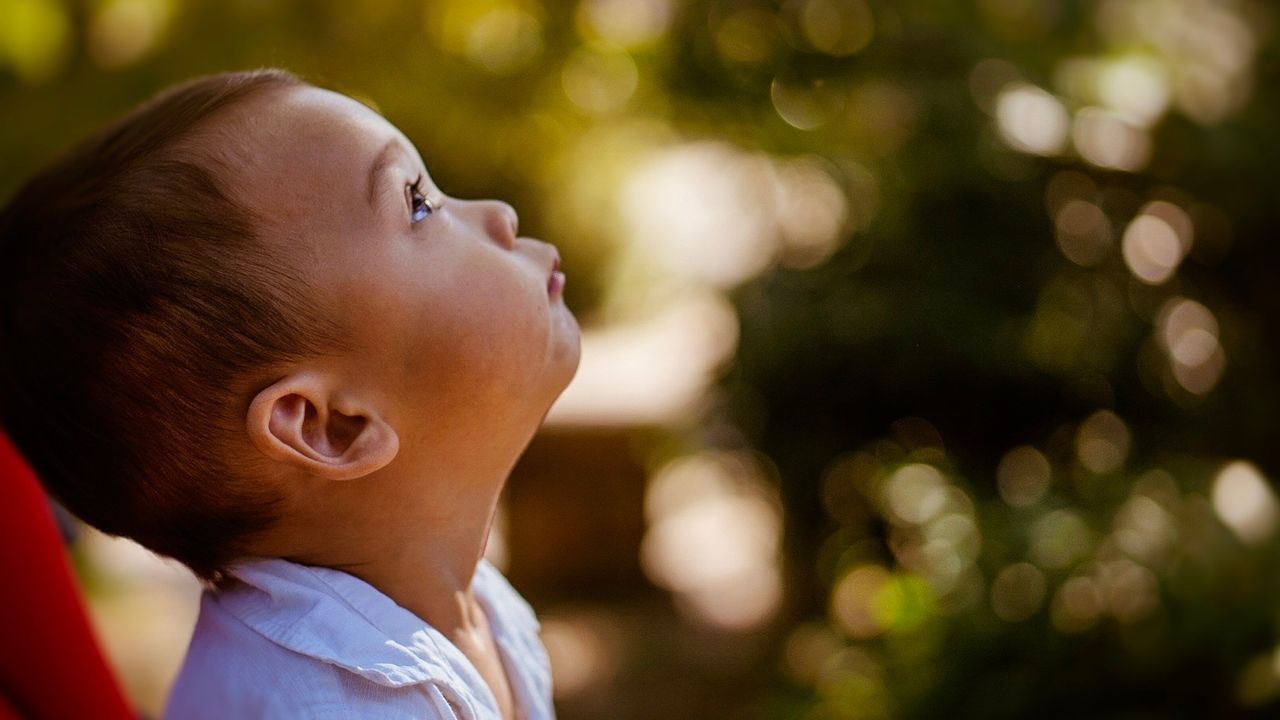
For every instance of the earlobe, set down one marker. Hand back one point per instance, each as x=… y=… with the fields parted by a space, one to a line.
x=301 y=420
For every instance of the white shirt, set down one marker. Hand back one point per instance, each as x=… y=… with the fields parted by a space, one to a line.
x=295 y=641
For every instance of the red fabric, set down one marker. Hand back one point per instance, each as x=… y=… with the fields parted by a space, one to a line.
x=50 y=663
x=7 y=711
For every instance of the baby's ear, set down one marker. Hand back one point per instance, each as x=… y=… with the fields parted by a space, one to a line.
x=304 y=421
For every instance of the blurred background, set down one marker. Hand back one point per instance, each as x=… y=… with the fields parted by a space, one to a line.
x=930 y=348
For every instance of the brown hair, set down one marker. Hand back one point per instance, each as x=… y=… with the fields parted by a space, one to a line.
x=138 y=307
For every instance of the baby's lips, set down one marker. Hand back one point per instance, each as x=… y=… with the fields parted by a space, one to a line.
x=555 y=279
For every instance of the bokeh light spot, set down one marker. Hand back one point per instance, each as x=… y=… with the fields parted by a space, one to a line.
x=1188 y=333
x=1130 y=589
x=582 y=650
x=704 y=211
x=1136 y=86
x=915 y=493
x=958 y=533
x=807 y=105
x=1104 y=138
x=903 y=603
x=599 y=79
x=122 y=31
x=811 y=212
x=1144 y=529
x=35 y=38
x=1245 y=502
x=1060 y=538
x=1151 y=249
x=853 y=601
x=1031 y=120
x=1023 y=476
x=1077 y=605
x=747 y=36
x=718 y=503
x=626 y=23
x=808 y=648
x=1102 y=442
x=837 y=28
x=1083 y=232
x=505 y=39
x=1017 y=592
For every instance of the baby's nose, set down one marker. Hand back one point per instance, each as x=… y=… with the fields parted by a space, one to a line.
x=501 y=222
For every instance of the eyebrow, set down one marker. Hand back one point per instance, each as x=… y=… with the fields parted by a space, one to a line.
x=381 y=161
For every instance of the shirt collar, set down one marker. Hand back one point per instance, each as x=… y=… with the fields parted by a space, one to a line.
x=340 y=619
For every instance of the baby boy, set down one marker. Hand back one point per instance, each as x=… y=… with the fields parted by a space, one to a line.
x=242 y=326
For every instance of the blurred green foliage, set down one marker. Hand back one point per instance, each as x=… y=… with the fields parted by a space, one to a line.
x=1021 y=406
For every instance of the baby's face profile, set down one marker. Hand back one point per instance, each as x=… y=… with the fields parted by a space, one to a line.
x=451 y=316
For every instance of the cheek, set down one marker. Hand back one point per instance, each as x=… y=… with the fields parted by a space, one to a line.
x=482 y=336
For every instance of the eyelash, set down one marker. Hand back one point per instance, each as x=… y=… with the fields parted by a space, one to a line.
x=415 y=190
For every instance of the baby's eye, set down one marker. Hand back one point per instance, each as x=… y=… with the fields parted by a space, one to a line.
x=419 y=206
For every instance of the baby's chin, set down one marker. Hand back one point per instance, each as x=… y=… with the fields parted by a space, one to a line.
x=569 y=355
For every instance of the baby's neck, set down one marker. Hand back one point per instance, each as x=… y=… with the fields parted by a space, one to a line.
x=428 y=575
x=416 y=538
x=421 y=549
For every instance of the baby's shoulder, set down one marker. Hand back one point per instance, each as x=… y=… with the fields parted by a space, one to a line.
x=232 y=671
x=286 y=664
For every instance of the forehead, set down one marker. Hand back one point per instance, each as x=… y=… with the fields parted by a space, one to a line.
x=303 y=153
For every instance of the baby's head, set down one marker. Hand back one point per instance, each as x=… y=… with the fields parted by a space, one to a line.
x=248 y=286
